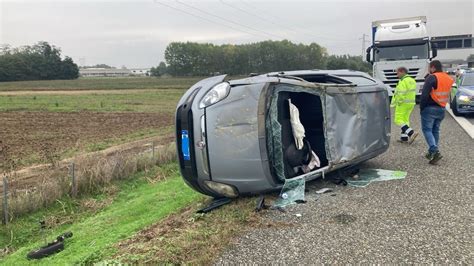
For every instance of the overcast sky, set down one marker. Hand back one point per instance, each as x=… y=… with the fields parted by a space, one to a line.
x=136 y=33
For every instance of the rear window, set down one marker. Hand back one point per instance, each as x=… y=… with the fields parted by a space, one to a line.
x=359 y=80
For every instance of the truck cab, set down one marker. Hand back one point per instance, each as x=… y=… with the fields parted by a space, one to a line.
x=400 y=42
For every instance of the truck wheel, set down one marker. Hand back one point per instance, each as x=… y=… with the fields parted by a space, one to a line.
x=45 y=251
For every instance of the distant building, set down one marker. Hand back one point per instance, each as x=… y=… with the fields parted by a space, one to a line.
x=104 y=72
x=140 y=71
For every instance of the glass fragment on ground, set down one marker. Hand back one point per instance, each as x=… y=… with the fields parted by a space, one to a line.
x=367 y=176
x=292 y=191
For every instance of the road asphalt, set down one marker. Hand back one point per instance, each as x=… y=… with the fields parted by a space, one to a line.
x=470 y=118
x=425 y=218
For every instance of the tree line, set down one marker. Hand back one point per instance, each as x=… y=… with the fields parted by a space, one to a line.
x=43 y=61
x=40 y=61
x=202 y=59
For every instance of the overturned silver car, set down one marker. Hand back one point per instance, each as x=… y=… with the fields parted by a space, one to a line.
x=247 y=136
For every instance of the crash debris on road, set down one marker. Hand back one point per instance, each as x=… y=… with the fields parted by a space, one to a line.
x=367 y=176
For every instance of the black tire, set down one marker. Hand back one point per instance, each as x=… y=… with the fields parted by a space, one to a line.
x=45 y=251
x=454 y=107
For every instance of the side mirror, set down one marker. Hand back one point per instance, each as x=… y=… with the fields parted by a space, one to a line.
x=434 y=50
x=367 y=56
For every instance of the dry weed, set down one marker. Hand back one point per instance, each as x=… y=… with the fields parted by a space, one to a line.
x=93 y=173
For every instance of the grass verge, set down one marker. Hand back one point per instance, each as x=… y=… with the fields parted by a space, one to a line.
x=141 y=201
x=187 y=237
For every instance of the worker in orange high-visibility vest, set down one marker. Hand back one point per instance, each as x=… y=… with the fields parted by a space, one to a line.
x=434 y=97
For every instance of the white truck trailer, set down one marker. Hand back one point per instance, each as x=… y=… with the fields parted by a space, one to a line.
x=400 y=42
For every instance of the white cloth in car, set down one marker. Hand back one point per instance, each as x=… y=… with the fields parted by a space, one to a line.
x=297 y=127
x=313 y=163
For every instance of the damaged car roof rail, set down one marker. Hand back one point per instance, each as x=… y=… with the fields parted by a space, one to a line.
x=286 y=76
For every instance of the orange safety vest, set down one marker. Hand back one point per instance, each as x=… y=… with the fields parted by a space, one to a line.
x=440 y=94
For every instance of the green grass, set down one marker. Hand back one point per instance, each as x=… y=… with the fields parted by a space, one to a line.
x=188 y=238
x=160 y=100
x=138 y=204
x=100 y=84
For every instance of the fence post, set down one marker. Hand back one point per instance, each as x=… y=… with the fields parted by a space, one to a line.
x=73 y=180
x=153 y=150
x=5 y=200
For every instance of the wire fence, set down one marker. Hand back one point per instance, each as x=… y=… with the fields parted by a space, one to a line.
x=84 y=175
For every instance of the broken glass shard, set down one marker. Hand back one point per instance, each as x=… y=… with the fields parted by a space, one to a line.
x=292 y=192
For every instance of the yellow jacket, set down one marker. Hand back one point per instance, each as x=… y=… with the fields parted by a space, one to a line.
x=405 y=92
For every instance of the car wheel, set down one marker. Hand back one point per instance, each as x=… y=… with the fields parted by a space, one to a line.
x=454 y=107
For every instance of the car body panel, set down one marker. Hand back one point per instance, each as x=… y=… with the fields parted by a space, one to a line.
x=349 y=113
x=188 y=115
x=233 y=139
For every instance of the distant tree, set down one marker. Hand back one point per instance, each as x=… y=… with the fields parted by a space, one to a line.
x=160 y=70
x=69 y=69
x=347 y=62
x=40 y=61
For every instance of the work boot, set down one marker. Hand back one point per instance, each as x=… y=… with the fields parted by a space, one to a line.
x=429 y=156
x=413 y=137
x=436 y=157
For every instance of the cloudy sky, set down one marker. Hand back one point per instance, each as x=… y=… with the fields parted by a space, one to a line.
x=135 y=33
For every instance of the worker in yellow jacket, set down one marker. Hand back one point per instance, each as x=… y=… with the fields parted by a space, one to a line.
x=404 y=100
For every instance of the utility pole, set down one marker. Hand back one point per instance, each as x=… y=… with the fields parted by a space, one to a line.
x=364 y=41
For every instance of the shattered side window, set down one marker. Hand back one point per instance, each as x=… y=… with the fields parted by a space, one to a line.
x=292 y=192
x=275 y=153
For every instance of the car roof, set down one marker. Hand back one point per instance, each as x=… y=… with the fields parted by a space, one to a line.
x=275 y=76
x=339 y=73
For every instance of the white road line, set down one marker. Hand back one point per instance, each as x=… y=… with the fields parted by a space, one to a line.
x=463 y=122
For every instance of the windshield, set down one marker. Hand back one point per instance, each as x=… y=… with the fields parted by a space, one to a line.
x=405 y=52
x=468 y=80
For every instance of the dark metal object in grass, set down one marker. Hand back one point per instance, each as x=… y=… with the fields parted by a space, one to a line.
x=51 y=248
x=261 y=204
x=216 y=203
